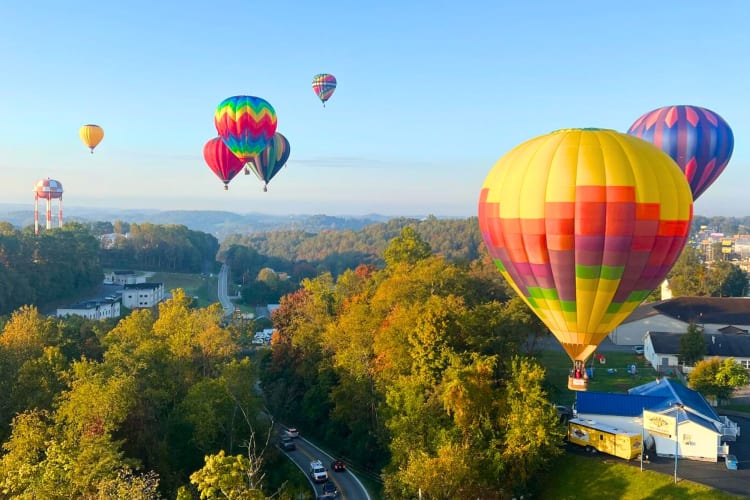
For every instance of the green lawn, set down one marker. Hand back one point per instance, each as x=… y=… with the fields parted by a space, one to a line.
x=580 y=478
x=195 y=285
x=558 y=365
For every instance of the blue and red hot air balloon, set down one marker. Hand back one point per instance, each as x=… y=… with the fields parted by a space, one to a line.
x=697 y=139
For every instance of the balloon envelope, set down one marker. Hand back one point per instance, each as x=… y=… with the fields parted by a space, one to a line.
x=584 y=224
x=246 y=124
x=269 y=162
x=91 y=135
x=699 y=140
x=221 y=160
x=323 y=85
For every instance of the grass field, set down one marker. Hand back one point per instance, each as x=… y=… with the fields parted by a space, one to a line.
x=580 y=478
x=558 y=365
x=195 y=285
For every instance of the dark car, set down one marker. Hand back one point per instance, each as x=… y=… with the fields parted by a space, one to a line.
x=330 y=488
x=287 y=444
x=338 y=466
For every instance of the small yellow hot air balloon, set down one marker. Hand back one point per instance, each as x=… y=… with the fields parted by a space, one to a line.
x=91 y=135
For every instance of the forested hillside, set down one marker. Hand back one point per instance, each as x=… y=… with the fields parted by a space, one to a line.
x=416 y=370
x=172 y=248
x=53 y=265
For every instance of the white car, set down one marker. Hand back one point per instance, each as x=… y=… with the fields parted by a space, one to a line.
x=638 y=349
x=318 y=473
x=292 y=432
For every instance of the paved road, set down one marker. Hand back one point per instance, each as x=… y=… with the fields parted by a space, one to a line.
x=713 y=474
x=222 y=291
x=350 y=488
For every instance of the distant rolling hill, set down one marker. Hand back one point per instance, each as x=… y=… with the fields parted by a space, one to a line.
x=218 y=223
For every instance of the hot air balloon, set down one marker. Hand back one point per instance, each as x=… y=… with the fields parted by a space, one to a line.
x=699 y=140
x=323 y=85
x=246 y=124
x=91 y=135
x=584 y=224
x=269 y=162
x=221 y=160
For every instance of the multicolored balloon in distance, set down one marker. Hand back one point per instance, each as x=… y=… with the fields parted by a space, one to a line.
x=91 y=135
x=323 y=85
x=699 y=140
x=221 y=160
x=584 y=224
x=269 y=162
x=246 y=124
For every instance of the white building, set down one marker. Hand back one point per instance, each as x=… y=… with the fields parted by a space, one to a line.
x=662 y=349
x=93 y=309
x=713 y=314
x=123 y=278
x=142 y=295
x=701 y=433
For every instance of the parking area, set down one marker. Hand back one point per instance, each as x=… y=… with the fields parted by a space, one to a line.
x=715 y=475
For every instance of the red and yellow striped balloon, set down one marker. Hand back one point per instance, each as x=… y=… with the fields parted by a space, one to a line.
x=584 y=224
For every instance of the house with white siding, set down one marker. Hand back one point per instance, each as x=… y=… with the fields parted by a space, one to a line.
x=142 y=295
x=701 y=433
x=662 y=349
x=92 y=309
x=713 y=314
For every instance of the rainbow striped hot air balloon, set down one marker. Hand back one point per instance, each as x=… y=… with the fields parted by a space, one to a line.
x=269 y=162
x=699 y=140
x=246 y=124
x=584 y=224
x=323 y=85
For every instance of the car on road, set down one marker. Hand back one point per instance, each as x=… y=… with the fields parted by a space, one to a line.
x=292 y=432
x=638 y=349
x=338 y=466
x=731 y=462
x=287 y=444
x=330 y=488
x=318 y=473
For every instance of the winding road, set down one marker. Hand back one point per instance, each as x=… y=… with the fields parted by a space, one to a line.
x=350 y=488
x=222 y=291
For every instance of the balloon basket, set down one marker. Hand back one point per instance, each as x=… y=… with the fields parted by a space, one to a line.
x=578 y=384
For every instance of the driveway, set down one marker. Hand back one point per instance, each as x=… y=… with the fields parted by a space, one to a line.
x=713 y=474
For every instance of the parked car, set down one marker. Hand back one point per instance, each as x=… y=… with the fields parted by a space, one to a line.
x=638 y=349
x=731 y=462
x=330 y=488
x=338 y=466
x=287 y=444
x=292 y=432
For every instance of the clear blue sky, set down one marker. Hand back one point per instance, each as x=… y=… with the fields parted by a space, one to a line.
x=431 y=94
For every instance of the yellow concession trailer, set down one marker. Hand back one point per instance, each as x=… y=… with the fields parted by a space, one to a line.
x=595 y=436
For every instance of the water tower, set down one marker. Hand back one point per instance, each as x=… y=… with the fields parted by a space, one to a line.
x=47 y=189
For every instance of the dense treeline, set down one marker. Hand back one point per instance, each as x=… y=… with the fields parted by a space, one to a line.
x=415 y=371
x=172 y=248
x=721 y=224
x=155 y=406
x=299 y=255
x=38 y=269
x=458 y=240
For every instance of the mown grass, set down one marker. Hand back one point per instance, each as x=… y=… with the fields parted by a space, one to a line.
x=580 y=478
x=195 y=285
x=558 y=364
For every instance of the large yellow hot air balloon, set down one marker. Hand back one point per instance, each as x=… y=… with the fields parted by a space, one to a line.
x=91 y=135
x=584 y=224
